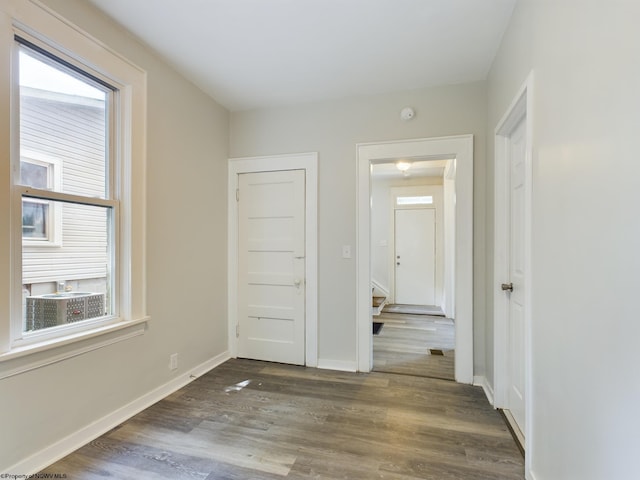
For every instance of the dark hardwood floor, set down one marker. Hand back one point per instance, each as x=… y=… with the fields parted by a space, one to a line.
x=405 y=341
x=255 y=420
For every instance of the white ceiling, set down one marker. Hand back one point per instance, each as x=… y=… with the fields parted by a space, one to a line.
x=261 y=53
x=419 y=168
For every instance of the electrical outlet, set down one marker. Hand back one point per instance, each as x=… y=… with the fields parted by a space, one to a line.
x=173 y=361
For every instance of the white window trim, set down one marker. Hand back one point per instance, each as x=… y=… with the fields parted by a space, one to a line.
x=54 y=238
x=19 y=337
x=34 y=21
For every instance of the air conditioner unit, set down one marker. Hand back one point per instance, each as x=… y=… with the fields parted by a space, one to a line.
x=49 y=310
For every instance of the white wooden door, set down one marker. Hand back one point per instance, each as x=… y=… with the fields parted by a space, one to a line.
x=271 y=276
x=415 y=256
x=516 y=310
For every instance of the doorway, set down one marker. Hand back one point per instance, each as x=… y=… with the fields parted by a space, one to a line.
x=460 y=149
x=298 y=283
x=411 y=335
x=512 y=267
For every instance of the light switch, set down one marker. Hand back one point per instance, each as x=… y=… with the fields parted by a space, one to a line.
x=346 y=251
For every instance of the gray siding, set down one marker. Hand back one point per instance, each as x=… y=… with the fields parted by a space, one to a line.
x=72 y=134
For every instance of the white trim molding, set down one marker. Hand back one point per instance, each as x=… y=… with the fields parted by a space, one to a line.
x=519 y=109
x=378 y=286
x=460 y=148
x=38 y=25
x=338 y=365
x=38 y=355
x=481 y=381
x=299 y=161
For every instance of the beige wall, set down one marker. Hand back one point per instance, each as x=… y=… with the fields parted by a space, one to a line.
x=333 y=129
x=585 y=256
x=586 y=260
x=186 y=265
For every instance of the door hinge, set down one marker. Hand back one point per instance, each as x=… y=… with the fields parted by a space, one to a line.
x=237 y=330
x=237 y=194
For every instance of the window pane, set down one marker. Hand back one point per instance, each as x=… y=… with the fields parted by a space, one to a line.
x=35 y=220
x=423 y=200
x=70 y=284
x=63 y=115
x=34 y=175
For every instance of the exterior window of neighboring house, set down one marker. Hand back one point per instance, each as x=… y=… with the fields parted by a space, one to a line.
x=73 y=160
x=35 y=220
x=41 y=221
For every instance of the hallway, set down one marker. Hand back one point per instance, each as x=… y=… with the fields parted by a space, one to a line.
x=419 y=345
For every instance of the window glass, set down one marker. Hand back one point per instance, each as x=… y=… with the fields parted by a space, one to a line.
x=34 y=175
x=67 y=249
x=35 y=219
x=65 y=114
x=78 y=271
x=421 y=200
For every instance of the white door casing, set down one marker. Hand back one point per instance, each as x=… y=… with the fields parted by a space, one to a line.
x=415 y=256
x=303 y=161
x=448 y=239
x=513 y=261
x=271 y=276
x=459 y=147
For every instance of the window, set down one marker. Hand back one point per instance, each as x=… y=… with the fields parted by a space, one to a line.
x=65 y=113
x=35 y=220
x=41 y=221
x=421 y=200
x=74 y=161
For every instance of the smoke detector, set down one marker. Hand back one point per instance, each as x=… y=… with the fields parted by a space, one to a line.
x=407 y=113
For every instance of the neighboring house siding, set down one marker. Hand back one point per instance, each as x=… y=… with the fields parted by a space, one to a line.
x=73 y=136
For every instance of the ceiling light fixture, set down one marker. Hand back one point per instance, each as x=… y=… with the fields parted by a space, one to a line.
x=403 y=166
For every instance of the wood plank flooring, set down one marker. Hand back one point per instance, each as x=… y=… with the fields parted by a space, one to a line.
x=256 y=420
x=403 y=345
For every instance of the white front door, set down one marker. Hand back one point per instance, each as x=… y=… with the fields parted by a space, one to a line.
x=415 y=256
x=271 y=275
x=517 y=275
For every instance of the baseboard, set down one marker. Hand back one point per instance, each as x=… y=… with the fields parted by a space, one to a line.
x=514 y=429
x=338 y=365
x=481 y=381
x=42 y=459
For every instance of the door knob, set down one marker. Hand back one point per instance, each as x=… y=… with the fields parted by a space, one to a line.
x=507 y=287
x=297 y=281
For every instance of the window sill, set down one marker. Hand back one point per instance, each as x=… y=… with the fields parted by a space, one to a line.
x=41 y=244
x=30 y=357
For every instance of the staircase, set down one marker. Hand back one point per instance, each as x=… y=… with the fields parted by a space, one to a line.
x=377 y=305
x=378 y=300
